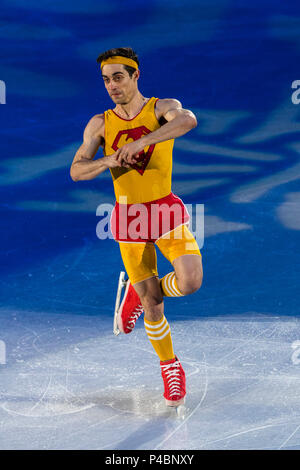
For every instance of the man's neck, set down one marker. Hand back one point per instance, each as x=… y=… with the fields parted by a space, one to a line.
x=131 y=109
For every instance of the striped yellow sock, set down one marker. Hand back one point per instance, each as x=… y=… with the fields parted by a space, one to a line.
x=159 y=335
x=169 y=285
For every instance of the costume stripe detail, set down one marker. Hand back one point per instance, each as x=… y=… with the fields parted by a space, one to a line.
x=159 y=334
x=158 y=338
x=156 y=333
x=169 y=285
x=155 y=325
x=159 y=331
x=174 y=285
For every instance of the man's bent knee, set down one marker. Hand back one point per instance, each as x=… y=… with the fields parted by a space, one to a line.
x=190 y=284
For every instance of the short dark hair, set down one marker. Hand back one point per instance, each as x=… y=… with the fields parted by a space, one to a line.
x=122 y=51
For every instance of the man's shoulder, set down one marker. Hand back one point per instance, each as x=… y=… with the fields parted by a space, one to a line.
x=96 y=124
x=164 y=104
x=97 y=119
x=167 y=102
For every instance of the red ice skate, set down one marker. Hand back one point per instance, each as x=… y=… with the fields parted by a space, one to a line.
x=174 y=381
x=130 y=309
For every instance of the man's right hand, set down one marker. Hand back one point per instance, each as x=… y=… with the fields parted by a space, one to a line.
x=115 y=161
x=111 y=161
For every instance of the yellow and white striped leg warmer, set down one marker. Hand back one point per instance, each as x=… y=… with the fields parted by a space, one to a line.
x=169 y=285
x=159 y=334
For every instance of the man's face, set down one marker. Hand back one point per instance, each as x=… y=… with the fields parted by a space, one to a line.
x=118 y=83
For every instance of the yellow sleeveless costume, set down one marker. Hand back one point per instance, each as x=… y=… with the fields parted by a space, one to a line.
x=147 y=180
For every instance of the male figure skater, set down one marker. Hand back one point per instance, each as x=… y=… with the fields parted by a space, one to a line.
x=137 y=138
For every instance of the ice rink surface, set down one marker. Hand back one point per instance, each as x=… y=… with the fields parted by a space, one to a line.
x=66 y=382
x=71 y=384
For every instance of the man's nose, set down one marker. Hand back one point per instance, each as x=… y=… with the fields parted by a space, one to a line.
x=112 y=86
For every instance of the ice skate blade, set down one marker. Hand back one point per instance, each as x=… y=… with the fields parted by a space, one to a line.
x=181 y=411
x=121 y=285
x=120 y=327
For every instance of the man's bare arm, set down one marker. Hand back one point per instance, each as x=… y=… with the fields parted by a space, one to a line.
x=84 y=167
x=179 y=122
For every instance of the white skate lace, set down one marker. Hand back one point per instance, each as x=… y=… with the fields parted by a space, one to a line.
x=172 y=373
x=134 y=316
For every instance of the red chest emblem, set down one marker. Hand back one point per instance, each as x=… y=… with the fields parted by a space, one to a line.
x=123 y=136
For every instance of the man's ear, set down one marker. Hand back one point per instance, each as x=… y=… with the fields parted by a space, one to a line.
x=136 y=74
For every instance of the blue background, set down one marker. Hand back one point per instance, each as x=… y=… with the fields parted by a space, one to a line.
x=232 y=63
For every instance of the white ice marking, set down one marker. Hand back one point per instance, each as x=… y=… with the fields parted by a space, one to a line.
x=94 y=425
x=287 y=440
x=59 y=411
x=245 y=343
x=246 y=431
